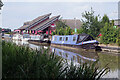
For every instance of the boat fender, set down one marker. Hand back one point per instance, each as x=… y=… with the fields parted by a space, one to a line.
x=82 y=42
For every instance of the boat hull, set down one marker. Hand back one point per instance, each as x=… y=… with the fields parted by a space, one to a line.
x=84 y=46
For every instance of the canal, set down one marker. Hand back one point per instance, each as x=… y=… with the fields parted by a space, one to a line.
x=83 y=56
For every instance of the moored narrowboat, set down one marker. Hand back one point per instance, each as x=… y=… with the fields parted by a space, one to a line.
x=77 y=41
x=17 y=37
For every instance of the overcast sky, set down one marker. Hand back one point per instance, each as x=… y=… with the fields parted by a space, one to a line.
x=14 y=14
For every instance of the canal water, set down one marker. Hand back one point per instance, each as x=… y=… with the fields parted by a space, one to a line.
x=83 y=56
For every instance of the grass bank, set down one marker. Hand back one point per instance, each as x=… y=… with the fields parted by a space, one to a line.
x=23 y=62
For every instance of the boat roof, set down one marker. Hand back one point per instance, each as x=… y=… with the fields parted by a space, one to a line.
x=83 y=34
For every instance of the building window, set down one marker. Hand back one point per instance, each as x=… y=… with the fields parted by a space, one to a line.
x=60 y=39
x=81 y=38
x=74 y=38
x=66 y=39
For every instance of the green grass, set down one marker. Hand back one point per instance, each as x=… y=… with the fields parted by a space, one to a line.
x=23 y=62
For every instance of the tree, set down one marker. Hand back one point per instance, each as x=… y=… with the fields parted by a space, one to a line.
x=90 y=23
x=68 y=31
x=104 y=20
x=62 y=29
x=60 y=24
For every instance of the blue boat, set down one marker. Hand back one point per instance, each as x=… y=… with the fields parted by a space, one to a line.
x=77 y=40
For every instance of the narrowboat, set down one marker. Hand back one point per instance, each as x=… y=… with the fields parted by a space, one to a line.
x=39 y=38
x=17 y=37
x=6 y=36
x=25 y=37
x=35 y=37
x=84 y=41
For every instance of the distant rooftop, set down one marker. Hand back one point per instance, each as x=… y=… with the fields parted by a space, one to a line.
x=71 y=23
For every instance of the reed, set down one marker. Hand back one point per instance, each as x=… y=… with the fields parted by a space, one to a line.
x=23 y=62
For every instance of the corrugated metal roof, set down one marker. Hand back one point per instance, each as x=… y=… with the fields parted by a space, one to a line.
x=23 y=27
x=46 y=23
x=33 y=21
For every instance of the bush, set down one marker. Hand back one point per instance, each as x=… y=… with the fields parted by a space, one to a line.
x=118 y=37
x=23 y=62
x=109 y=34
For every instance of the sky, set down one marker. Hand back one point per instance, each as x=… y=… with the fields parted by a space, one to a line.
x=60 y=0
x=14 y=14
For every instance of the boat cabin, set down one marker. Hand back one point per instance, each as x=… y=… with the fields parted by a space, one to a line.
x=76 y=39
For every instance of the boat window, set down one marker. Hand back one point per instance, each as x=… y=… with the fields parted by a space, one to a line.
x=81 y=38
x=60 y=39
x=26 y=36
x=90 y=38
x=66 y=39
x=74 y=38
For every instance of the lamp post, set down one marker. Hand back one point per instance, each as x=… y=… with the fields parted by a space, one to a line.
x=75 y=26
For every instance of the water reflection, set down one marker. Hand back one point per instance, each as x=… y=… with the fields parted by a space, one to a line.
x=71 y=55
x=78 y=57
x=63 y=53
x=24 y=43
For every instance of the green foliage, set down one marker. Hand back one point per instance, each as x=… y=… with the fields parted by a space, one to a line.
x=118 y=37
x=90 y=23
x=93 y=25
x=79 y=31
x=62 y=29
x=9 y=33
x=105 y=19
x=109 y=34
x=60 y=24
x=23 y=62
x=68 y=31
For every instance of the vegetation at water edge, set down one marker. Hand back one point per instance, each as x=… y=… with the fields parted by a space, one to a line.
x=23 y=62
